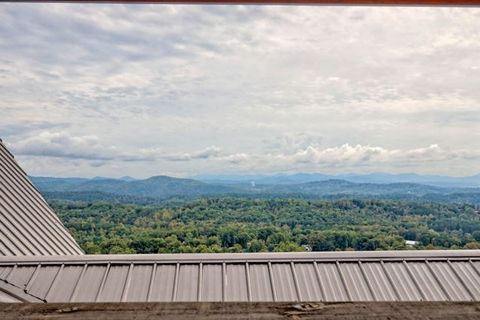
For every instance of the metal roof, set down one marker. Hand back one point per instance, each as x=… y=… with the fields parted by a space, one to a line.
x=28 y=226
x=342 y=276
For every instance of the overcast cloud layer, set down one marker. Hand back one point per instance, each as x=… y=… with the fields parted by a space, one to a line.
x=145 y=90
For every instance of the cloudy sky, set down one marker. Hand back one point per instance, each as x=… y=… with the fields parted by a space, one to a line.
x=113 y=90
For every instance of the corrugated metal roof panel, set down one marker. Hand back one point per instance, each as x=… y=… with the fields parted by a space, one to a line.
x=139 y=283
x=378 y=280
x=236 y=284
x=114 y=284
x=284 y=282
x=404 y=285
x=163 y=285
x=260 y=282
x=13 y=237
x=65 y=284
x=5 y=271
x=4 y=250
x=212 y=282
x=308 y=282
x=426 y=282
x=188 y=282
x=450 y=281
x=21 y=276
x=332 y=283
x=476 y=266
x=28 y=226
x=89 y=283
x=470 y=278
x=41 y=283
x=355 y=282
x=231 y=278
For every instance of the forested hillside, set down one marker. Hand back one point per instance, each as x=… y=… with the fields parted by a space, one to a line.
x=239 y=224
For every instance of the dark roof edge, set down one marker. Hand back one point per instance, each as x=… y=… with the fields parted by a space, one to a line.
x=264 y=256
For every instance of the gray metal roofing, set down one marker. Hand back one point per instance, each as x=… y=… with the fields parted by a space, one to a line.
x=28 y=226
x=346 y=276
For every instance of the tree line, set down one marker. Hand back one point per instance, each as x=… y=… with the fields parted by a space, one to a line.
x=254 y=225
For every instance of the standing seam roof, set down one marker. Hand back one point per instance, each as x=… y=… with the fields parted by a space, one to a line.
x=351 y=276
x=28 y=226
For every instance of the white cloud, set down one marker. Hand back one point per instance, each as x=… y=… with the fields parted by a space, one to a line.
x=207 y=153
x=63 y=145
x=191 y=89
x=237 y=158
x=340 y=156
x=81 y=152
x=348 y=156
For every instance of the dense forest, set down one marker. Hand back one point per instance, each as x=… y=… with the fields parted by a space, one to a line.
x=252 y=225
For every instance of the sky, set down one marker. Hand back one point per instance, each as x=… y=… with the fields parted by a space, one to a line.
x=141 y=90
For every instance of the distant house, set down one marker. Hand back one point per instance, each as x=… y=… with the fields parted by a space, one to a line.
x=411 y=243
x=41 y=262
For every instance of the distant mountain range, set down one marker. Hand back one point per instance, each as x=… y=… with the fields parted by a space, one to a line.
x=157 y=188
x=382 y=178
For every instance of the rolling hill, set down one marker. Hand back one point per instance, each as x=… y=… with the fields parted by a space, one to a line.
x=163 y=187
x=155 y=187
